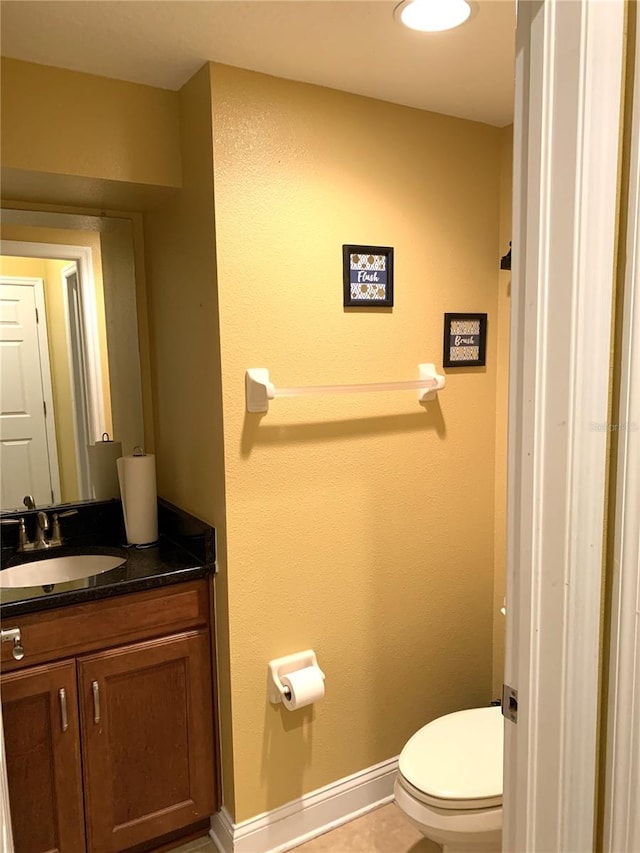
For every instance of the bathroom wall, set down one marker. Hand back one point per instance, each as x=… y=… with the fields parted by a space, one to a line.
x=361 y=526
x=181 y=273
x=65 y=123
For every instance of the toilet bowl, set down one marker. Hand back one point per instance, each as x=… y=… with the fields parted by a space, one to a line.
x=449 y=781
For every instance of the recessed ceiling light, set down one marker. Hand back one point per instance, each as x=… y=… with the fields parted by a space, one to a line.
x=433 y=16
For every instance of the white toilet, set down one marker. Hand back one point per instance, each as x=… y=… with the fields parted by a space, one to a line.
x=449 y=781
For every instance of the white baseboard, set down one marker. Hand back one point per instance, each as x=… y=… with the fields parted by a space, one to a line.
x=310 y=815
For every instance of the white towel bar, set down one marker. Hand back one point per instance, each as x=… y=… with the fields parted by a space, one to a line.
x=259 y=388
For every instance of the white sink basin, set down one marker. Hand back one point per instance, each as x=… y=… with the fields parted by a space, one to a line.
x=58 y=570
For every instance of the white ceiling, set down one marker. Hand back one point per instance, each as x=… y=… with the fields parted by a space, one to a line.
x=353 y=45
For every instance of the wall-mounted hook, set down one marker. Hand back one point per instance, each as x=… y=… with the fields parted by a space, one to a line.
x=505 y=260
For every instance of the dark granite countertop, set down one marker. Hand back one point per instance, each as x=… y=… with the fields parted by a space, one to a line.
x=185 y=551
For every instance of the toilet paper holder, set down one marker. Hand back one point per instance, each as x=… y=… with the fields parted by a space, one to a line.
x=283 y=666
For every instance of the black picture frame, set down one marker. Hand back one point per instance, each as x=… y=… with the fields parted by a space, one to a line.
x=367 y=276
x=465 y=340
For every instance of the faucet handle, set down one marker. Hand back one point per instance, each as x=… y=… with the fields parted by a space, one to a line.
x=29 y=502
x=55 y=533
x=22 y=532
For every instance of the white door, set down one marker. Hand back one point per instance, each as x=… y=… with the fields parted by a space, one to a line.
x=27 y=433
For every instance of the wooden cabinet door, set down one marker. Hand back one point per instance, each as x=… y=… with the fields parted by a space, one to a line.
x=43 y=758
x=147 y=726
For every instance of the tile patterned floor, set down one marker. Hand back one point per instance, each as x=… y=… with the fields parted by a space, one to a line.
x=384 y=830
x=200 y=845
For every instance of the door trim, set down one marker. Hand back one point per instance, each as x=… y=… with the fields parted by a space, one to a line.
x=45 y=374
x=80 y=397
x=622 y=771
x=569 y=64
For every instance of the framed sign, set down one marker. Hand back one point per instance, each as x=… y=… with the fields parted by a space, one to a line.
x=367 y=273
x=465 y=340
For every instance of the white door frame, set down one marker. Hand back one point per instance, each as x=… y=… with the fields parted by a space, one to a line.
x=569 y=66
x=622 y=772
x=37 y=286
x=78 y=380
x=82 y=255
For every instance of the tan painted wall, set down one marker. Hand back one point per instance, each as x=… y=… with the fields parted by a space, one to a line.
x=66 y=123
x=50 y=271
x=361 y=526
x=184 y=324
x=502 y=406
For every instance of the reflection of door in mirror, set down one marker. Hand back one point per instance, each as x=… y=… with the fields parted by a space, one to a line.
x=92 y=326
x=71 y=338
x=27 y=427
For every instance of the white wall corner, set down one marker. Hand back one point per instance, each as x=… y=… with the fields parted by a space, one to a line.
x=309 y=816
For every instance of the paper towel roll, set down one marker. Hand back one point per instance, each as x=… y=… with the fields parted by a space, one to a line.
x=103 y=470
x=137 y=476
x=305 y=685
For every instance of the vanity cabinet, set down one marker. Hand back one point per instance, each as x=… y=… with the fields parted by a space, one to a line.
x=147 y=741
x=123 y=757
x=43 y=758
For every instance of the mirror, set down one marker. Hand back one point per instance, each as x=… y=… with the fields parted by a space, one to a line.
x=69 y=354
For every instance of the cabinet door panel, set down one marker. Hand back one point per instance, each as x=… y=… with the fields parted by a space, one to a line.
x=147 y=739
x=43 y=761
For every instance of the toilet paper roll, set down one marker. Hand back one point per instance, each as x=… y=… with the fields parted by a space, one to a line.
x=305 y=685
x=103 y=470
x=137 y=476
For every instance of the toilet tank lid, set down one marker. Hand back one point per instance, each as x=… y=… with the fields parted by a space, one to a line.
x=457 y=757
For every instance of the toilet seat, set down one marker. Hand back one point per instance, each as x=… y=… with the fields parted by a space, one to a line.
x=455 y=762
x=449 y=804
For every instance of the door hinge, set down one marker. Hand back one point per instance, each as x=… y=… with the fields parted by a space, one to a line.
x=44 y=406
x=509 y=703
x=37 y=316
